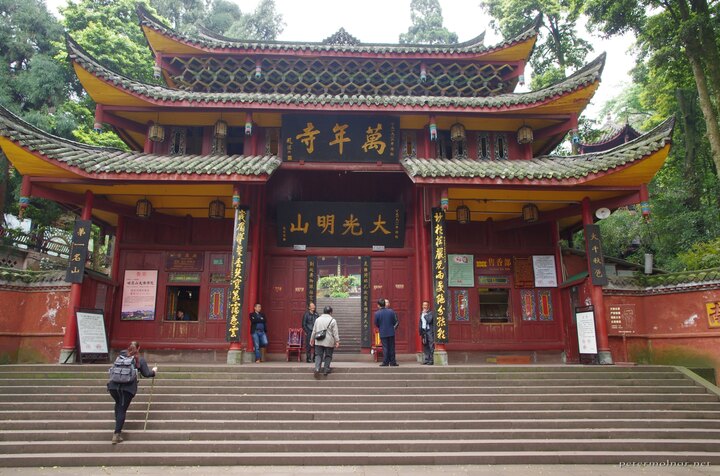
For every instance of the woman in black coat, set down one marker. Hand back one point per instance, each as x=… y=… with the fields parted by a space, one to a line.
x=123 y=393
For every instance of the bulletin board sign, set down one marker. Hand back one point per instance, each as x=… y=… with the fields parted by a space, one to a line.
x=92 y=338
x=461 y=271
x=139 y=293
x=587 y=341
x=544 y=271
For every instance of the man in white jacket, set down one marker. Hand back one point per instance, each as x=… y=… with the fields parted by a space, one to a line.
x=324 y=347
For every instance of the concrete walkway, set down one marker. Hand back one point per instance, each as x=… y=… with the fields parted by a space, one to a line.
x=464 y=470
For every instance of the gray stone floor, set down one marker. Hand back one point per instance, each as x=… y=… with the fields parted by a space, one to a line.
x=464 y=470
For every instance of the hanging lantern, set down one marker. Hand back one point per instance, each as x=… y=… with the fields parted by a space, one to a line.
x=156 y=133
x=521 y=80
x=216 y=209
x=457 y=132
x=157 y=72
x=236 y=200
x=143 y=208
x=525 y=135
x=248 y=124
x=444 y=200
x=258 y=69
x=462 y=214
x=530 y=213
x=423 y=73
x=221 y=128
x=433 y=128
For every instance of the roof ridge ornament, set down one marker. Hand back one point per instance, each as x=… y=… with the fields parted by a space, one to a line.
x=342 y=38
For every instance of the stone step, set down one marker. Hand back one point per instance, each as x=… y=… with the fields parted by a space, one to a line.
x=428 y=399
x=136 y=421
x=589 y=411
x=310 y=445
x=301 y=434
x=10 y=393
x=111 y=457
x=264 y=414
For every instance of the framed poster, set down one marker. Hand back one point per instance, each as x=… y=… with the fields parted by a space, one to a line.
x=139 y=295
x=460 y=271
x=92 y=339
x=544 y=269
x=587 y=342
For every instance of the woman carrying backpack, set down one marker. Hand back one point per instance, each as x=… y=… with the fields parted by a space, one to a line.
x=123 y=393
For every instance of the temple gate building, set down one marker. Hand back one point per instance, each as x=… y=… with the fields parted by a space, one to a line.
x=260 y=168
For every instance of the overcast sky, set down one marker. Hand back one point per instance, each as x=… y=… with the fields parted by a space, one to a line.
x=382 y=21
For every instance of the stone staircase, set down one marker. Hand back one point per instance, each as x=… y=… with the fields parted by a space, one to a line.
x=278 y=414
x=347 y=314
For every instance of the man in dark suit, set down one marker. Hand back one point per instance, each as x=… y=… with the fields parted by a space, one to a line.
x=427 y=333
x=386 y=321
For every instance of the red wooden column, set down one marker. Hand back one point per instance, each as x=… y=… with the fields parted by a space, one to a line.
x=418 y=294
x=70 y=339
x=596 y=295
x=254 y=292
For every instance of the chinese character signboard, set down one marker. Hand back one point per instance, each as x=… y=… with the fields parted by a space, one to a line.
x=438 y=260
x=596 y=261
x=340 y=138
x=622 y=319
x=139 y=293
x=524 y=276
x=341 y=224
x=365 y=301
x=493 y=264
x=237 y=274
x=713 y=313
x=311 y=287
x=184 y=261
x=78 y=251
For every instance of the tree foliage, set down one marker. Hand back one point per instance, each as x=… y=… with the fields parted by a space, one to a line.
x=427 y=25
x=560 y=47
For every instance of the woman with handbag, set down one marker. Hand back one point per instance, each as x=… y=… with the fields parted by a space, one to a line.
x=326 y=339
x=427 y=333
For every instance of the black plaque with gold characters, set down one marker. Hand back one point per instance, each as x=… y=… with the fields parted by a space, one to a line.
x=340 y=138
x=341 y=224
x=365 y=302
x=78 y=251
x=438 y=260
x=312 y=278
x=596 y=260
x=237 y=276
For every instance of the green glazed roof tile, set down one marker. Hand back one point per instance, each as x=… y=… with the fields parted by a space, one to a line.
x=213 y=41
x=545 y=167
x=668 y=280
x=100 y=160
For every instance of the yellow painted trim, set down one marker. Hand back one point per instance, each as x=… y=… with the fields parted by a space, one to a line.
x=105 y=93
x=28 y=163
x=638 y=173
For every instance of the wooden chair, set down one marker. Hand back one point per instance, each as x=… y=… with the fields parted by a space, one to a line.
x=294 y=343
x=376 y=347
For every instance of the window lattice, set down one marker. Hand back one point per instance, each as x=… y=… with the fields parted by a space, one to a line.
x=340 y=76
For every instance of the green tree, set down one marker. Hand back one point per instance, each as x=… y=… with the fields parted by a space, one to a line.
x=184 y=15
x=221 y=16
x=689 y=28
x=560 y=47
x=427 y=25
x=264 y=24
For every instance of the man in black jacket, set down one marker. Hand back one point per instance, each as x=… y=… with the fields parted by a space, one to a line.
x=308 y=322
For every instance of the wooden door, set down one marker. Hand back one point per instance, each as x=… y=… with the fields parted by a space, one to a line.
x=283 y=298
x=391 y=278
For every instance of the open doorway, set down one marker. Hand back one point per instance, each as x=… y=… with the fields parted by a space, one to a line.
x=338 y=286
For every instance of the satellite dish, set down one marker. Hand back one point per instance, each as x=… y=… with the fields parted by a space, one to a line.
x=602 y=213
